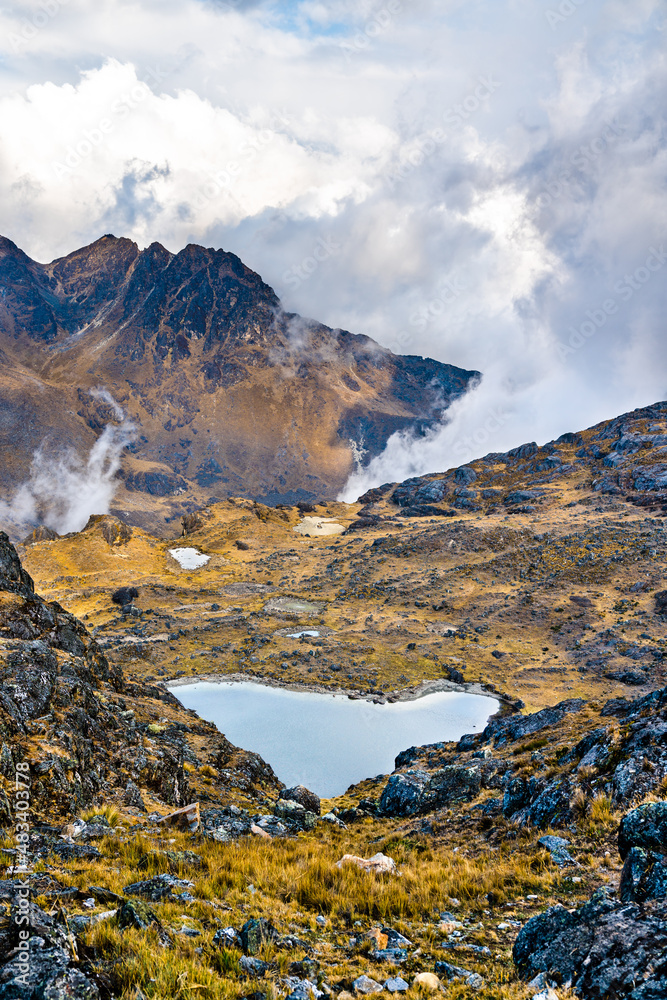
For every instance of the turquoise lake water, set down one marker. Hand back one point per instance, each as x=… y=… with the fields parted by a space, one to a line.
x=328 y=742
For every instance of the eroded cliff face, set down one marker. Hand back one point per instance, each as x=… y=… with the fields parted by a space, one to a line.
x=228 y=392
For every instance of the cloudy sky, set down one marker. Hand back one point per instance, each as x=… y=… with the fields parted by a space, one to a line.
x=482 y=182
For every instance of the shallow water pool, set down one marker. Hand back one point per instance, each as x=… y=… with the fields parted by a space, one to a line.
x=328 y=742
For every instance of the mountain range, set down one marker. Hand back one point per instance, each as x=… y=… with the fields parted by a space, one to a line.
x=219 y=390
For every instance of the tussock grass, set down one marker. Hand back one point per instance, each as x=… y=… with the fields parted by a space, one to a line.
x=109 y=813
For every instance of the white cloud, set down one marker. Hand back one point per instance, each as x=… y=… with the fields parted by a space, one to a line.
x=475 y=224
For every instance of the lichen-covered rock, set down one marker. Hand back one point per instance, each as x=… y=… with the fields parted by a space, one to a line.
x=299 y=793
x=159 y=888
x=132 y=797
x=255 y=933
x=552 y=805
x=604 y=949
x=66 y=984
x=517 y=727
x=453 y=783
x=295 y=813
x=402 y=794
x=645 y=826
x=413 y=792
x=135 y=913
x=644 y=876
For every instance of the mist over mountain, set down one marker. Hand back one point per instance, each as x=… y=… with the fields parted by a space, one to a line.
x=187 y=368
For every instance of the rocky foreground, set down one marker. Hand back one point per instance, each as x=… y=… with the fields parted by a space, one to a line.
x=524 y=861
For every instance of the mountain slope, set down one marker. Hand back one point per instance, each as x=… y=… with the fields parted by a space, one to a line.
x=538 y=572
x=228 y=392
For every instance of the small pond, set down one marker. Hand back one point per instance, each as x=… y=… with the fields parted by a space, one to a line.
x=328 y=742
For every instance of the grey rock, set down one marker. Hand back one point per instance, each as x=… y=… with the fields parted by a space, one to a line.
x=294 y=812
x=396 y=955
x=414 y=792
x=254 y=967
x=255 y=933
x=465 y=475
x=159 y=888
x=557 y=848
x=645 y=826
x=402 y=794
x=644 y=876
x=226 y=936
x=13 y=577
x=454 y=783
x=518 y=726
x=396 y=985
x=67 y=983
x=132 y=797
x=605 y=948
x=552 y=806
x=365 y=986
x=453 y=972
x=44 y=962
x=299 y=793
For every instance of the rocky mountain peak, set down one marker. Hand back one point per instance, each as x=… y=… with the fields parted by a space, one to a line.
x=225 y=388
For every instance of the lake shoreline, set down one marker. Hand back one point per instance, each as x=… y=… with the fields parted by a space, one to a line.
x=412 y=693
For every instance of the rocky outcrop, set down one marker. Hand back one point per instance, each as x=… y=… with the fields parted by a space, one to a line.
x=58 y=690
x=414 y=792
x=604 y=949
x=610 y=947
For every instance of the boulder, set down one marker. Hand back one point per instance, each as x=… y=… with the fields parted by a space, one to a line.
x=295 y=813
x=379 y=863
x=255 y=933
x=160 y=888
x=402 y=795
x=644 y=876
x=645 y=826
x=66 y=983
x=124 y=596
x=454 y=783
x=454 y=972
x=552 y=806
x=254 y=967
x=558 y=849
x=364 y=985
x=604 y=949
x=299 y=793
x=396 y=985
